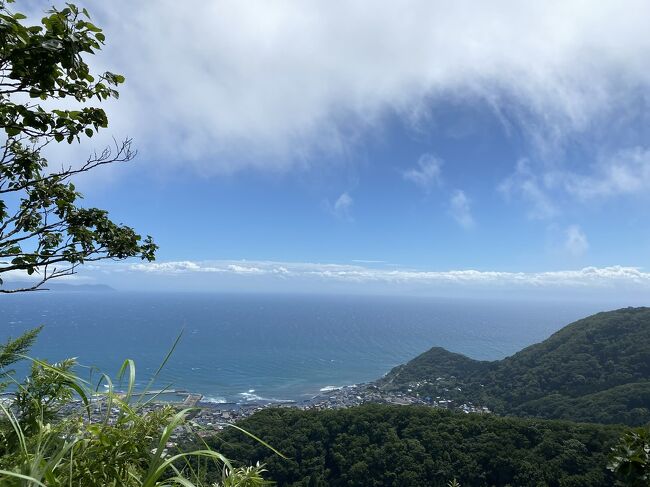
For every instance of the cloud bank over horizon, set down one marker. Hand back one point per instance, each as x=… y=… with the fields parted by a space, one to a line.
x=269 y=276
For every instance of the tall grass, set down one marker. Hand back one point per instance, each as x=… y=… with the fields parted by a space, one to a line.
x=111 y=439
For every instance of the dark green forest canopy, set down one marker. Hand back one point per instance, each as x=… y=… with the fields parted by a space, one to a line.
x=415 y=446
x=596 y=369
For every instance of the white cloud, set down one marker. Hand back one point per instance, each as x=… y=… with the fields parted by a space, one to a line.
x=626 y=172
x=524 y=183
x=242 y=269
x=342 y=207
x=226 y=84
x=460 y=209
x=576 y=241
x=426 y=174
x=304 y=276
x=587 y=277
x=343 y=203
x=623 y=173
x=168 y=267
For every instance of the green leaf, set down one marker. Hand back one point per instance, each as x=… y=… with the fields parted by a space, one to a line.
x=92 y=27
x=50 y=62
x=30 y=480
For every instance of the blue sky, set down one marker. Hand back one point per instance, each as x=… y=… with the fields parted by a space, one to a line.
x=502 y=138
x=389 y=208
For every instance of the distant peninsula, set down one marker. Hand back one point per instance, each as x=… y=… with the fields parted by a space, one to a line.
x=93 y=288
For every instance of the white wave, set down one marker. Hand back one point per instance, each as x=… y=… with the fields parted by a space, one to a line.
x=249 y=396
x=213 y=400
x=330 y=388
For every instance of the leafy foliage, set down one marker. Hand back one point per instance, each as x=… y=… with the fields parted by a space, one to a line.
x=113 y=439
x=631 y=458
x=596 y=369
x=43 y=229
x=405 y=446
x=12 y=351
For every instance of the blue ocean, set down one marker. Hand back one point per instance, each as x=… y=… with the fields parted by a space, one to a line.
x=237 y=348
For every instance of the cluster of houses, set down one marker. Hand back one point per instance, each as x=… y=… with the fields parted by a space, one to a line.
x=369 y=393
x=209 y=418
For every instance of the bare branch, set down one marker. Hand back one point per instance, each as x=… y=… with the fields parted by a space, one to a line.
x=123 y=153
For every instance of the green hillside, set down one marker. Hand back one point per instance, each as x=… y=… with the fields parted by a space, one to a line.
x=413 y=446
x=596 y=369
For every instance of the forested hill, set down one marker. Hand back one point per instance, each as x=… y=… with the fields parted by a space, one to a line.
x=382 y=445
x=596 y=369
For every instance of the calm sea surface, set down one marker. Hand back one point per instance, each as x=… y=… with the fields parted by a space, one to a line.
x=282 y=347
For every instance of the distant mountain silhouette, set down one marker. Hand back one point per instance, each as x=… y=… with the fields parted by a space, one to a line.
x=63 y=287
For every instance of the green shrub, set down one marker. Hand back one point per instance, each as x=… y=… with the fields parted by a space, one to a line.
x=630 y=459
x=59 y=430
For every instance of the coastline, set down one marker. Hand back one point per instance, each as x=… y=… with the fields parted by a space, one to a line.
x=211 y=417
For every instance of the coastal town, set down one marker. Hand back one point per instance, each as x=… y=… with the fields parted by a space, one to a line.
x=208 y=418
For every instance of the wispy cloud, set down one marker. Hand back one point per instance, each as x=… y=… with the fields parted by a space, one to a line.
x=626 y=172
x=526 y=184
x=343 y=203
x=460 y=209
x=342 y=206
x=576 y=241
x=426 y=174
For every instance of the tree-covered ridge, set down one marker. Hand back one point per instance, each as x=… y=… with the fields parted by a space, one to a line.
x=596 y=369
x=415 y=446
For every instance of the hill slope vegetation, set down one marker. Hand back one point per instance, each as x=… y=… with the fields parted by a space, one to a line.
x=596 y=370
x=415 y=446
